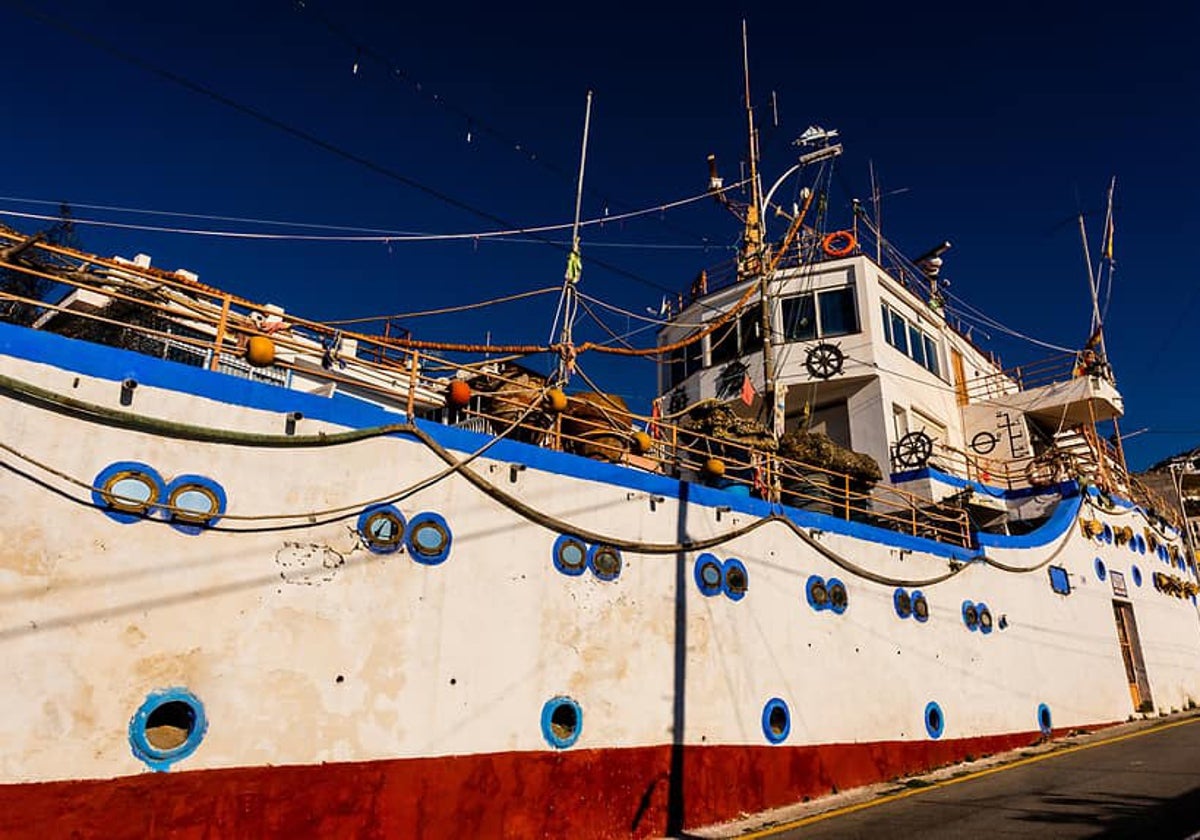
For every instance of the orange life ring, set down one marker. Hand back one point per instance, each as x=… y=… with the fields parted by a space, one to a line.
x=827 y=244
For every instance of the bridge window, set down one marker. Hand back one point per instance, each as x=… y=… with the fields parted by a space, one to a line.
x=823 y=314
x=911 y=340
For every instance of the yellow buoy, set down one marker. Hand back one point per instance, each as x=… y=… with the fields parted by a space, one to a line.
x=260 y=351
x=642 y=442
x=556 y=400
x=714 y=468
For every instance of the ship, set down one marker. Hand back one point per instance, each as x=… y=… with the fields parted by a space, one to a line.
x=269 y=577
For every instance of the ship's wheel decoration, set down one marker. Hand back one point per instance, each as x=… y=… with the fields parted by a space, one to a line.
x=913 y=450
x=824 y=360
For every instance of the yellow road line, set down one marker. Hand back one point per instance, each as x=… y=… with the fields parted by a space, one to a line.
x=883 y=800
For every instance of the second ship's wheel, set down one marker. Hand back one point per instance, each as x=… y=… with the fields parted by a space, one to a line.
x=913 y=450
x=824 y=361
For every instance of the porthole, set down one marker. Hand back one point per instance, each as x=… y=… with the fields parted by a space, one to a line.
x=970 y=615
x=839 y=599
x=1107 y=533
x=935 y=721
x=127 y=491
x=1137 y=576
x=570 y=555
x=817 y=594
x=428 y=538
x=709 y=575
x=168 y=727
x=776 y=720
x=902 y=602
x=920 y=606
x=1043 y=718
x=1139 y=544
x=604 y=561
x=985 y=618
x=736 y=579
x=1101 y=570
x=562 y=721
x=194 y=502
x=382 y=528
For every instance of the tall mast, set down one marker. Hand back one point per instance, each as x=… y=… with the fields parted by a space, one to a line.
x=753 y=252
x=568 y=301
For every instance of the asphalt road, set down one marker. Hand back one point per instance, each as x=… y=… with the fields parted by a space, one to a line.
x=1147 y=786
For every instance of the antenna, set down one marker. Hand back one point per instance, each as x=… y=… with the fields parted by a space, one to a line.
x=876 y=203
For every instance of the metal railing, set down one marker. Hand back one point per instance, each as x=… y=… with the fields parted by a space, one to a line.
x=200 y=324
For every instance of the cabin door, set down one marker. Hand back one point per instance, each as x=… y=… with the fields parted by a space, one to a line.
x=1131 y=653
x=960 y=376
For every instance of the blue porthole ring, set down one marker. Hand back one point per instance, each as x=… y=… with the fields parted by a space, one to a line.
x=570 y=555
x=709 y=574
x=193 y=503
x=428 y=538
x=776 y=720
x=1137 y=576
x=839 y=598
x=985 y=618
x=970 y=615
x=920 y=606
x=935 y=720
x=562 y=721
x=1101 y=569
x=735 y=580
x=382 y=528
x=902 y=603
x=817 y=593
x=1044 y=719
x=127 y=491
x=167 y=727
x=604 y=561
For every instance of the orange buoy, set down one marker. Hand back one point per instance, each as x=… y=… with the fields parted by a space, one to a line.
x=260 y=351
x=556 y=400
x=642 y=442
x=714 y=468
x=839 y=243
x=458 y=394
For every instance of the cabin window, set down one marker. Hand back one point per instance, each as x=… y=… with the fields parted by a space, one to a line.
x=723 y=347
x=684 y=361
x=740 y=337
x=839 y=311
x=911 y=340
x=823 y=314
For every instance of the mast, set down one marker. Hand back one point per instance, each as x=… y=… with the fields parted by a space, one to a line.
x=568 y=302
x=753 y=251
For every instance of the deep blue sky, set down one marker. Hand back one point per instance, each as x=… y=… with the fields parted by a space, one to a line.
x=998 y=123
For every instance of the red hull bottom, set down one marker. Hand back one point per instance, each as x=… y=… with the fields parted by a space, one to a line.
x=576 y=794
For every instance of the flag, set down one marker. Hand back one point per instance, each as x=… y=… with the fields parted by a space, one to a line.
x=747 y=390
x=574 y=266
x=1108 y=240
x=655 y=416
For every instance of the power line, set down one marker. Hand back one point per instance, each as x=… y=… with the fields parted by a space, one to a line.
x=301 y=134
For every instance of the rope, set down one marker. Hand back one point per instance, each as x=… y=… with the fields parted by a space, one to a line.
x=120 y=419
x=445 y=310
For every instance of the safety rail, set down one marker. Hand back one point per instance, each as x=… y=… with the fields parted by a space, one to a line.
x=1058 y=368
x=164 y=310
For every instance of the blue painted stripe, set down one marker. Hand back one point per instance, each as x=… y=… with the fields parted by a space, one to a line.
x=979 y=487
x=115 y=364
x=1064 y=517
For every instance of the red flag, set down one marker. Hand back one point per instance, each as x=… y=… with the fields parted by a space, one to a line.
x=655 y=417
x=747 y=390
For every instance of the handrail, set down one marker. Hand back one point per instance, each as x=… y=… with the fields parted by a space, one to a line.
x=220 y=324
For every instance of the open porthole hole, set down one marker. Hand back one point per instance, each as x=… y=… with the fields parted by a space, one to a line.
x=777 y=721
x=562 y=721
x=170 y=724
